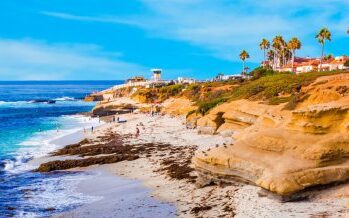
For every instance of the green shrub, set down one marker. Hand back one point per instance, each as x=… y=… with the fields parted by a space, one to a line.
x=204 y=107
x=171 y=89
x=192 y=91
x=260 y=72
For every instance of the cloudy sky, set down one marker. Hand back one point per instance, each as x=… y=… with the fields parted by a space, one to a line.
x=116 y=39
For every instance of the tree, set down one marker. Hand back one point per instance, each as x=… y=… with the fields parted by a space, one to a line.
x=271 y=55
x=323 y=35
x=243 y=56
x=328 y=57
x=279 y=45
x=264 y=45
x=294 y=44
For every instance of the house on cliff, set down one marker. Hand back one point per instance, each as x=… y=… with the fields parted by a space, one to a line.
x=305 y=65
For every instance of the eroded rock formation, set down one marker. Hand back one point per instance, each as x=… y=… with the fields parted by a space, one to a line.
x=178 y=106
x=280 y=150
x=120 y=106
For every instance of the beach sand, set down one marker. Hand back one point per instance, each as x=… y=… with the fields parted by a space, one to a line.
x=120 y=197
x=130 y=187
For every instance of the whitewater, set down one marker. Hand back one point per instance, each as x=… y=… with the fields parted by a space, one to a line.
x=30 y=131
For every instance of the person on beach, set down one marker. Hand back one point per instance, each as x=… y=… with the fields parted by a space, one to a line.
x=137 y=132
x=84 y=130
x=113 y=119
x=92 y=129
x=117 y=119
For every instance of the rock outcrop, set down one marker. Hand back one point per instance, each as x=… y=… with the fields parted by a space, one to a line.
x=178 y=106
x=119 y=106
x=279 y=150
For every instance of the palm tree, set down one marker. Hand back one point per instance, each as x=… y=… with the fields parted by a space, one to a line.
x=284 y=51
x=294 y=44
x=271 y=55
x=243 y=56
x=279 y=46
x=323 y=35
x=264 y=45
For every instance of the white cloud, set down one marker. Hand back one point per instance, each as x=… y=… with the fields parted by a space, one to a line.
x=37 y=60
x=224 y=27
x=103 y=19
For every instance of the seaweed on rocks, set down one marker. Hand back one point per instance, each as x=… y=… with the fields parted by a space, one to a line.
x=175 y=161
x=68 y=164
x=198 y=209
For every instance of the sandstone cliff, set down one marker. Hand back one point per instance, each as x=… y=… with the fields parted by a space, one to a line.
x=178 y=106
x=280 y=150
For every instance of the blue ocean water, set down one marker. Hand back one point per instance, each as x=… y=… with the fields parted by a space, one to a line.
x=26 y=129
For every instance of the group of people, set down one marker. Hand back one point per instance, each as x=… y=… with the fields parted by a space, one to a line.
x=118 y=120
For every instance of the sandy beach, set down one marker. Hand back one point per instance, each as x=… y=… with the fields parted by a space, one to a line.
x=145 y=187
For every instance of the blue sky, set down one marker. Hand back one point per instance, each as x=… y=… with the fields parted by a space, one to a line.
x=116 y=39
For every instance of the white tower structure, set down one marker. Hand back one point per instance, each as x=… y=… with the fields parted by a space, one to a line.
x=156 y=74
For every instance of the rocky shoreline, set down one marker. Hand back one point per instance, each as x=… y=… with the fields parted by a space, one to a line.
x=289 y=159
x=113 y=148
x=162 y=160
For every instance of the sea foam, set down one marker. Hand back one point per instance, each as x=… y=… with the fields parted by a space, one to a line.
x=65 y=98
x=43 y=143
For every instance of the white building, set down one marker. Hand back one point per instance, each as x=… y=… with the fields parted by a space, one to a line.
x=182 y=80
x=156 y=74
x=222 y=77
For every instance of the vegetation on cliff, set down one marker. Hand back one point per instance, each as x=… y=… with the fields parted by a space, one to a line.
x=154 y=95
x=265 y=85
x=271 y=88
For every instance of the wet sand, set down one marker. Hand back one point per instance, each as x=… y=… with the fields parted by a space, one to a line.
x=120 y=197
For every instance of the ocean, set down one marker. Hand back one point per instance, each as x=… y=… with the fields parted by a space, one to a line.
x=27 y=127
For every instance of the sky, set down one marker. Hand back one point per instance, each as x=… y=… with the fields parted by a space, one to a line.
x=117 y=39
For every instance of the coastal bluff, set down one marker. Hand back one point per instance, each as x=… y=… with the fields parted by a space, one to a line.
x=284 y=148
x=281 y=150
